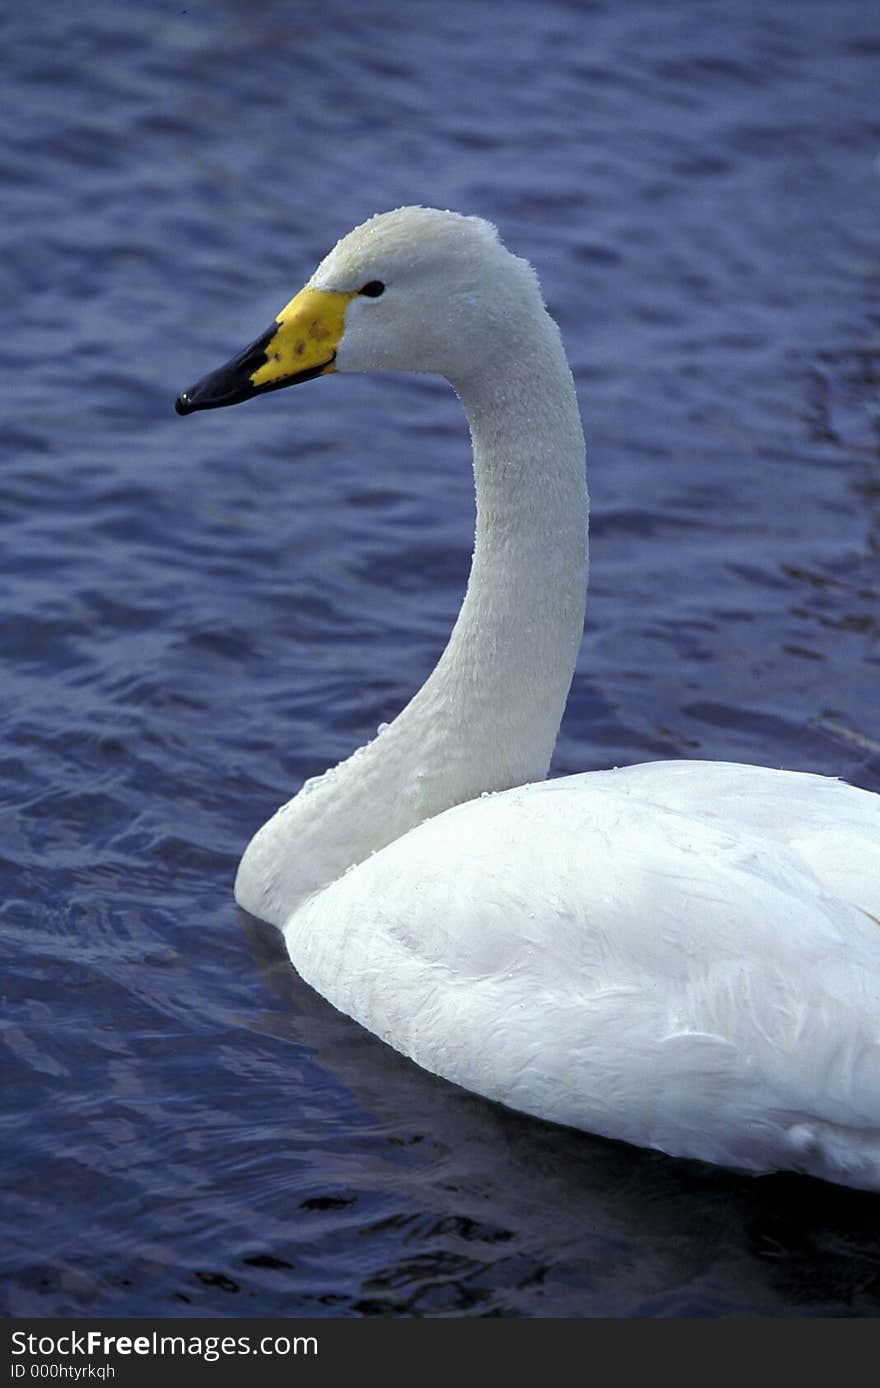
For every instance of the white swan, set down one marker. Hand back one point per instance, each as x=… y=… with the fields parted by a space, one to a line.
x=683 y=955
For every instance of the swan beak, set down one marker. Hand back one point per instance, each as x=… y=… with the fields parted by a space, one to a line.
x=300 y=345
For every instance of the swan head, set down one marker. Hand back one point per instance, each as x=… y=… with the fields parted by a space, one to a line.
x=416 y=289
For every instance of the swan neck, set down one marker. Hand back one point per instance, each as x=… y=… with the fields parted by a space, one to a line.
x=487 y=717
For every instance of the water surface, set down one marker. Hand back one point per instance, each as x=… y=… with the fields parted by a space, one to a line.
x=199 y=614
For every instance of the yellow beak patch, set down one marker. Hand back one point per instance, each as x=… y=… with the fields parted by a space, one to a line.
x=300 y=345
x=309 y=331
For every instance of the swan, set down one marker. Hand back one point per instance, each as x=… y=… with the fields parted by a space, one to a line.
x=684 y=955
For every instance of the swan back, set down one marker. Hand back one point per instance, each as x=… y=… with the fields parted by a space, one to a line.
x=652 y=953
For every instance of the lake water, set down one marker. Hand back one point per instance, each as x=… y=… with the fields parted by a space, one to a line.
x=199 y=614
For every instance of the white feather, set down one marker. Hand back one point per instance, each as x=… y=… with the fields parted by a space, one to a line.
x=684 y=955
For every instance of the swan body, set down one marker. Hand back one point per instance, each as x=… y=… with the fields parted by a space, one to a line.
x=682 y=955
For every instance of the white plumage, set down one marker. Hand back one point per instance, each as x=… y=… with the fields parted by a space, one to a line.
x=658 y=954
x=684 y=955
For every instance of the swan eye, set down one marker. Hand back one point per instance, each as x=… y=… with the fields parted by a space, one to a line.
x=373 y=289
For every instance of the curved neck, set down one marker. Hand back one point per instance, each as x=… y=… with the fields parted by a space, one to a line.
x=487 y=717
x=512 y=652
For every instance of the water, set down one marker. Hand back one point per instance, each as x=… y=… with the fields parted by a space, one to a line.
x=199 y=614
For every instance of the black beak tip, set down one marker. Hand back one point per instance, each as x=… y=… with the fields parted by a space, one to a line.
x=183 y=404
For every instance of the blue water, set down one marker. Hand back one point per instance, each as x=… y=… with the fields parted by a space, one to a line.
x=198 y=614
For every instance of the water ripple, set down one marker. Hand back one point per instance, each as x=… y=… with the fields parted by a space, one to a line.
x=196 y=619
